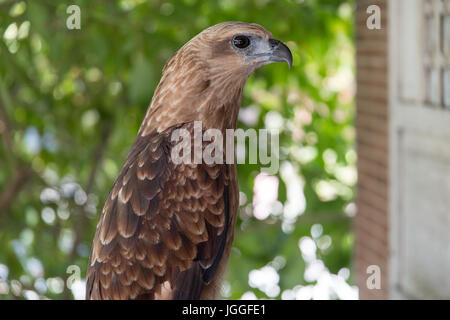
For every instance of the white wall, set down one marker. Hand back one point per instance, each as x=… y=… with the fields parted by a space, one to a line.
x=419 y=149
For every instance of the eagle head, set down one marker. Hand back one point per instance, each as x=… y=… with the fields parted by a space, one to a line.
x=238 y=48
x=206 y=76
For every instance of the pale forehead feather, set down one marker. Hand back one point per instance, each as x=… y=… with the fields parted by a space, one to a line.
x=228 y=29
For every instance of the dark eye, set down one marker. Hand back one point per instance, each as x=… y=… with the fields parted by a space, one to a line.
x=241 y=42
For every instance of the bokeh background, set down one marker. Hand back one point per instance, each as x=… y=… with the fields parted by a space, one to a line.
x=71 y=103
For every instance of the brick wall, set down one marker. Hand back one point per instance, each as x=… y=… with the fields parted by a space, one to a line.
x=371 y=222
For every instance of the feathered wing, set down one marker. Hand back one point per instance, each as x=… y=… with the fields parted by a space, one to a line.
x=163 y=227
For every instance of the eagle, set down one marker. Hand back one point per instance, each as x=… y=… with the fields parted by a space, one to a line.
x=166 y=228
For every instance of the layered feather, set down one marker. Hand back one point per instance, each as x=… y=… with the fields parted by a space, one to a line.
x=162 y=223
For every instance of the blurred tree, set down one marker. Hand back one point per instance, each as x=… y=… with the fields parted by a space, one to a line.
x=71 y=102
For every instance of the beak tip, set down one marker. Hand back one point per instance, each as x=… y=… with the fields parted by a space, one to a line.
x=289 y=58
x=284 y=54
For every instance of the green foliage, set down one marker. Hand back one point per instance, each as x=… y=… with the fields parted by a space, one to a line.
x=71 y=103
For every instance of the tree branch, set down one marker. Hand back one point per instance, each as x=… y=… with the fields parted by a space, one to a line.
x=323 y=217
x=97 y=159
x=5 y=125
x=13 y=188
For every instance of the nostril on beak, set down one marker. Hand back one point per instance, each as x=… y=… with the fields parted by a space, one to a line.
x=274 y=43
x=280 y=52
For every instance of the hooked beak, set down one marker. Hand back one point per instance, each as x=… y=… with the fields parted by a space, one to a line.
x=280 y=52
x=274 y=50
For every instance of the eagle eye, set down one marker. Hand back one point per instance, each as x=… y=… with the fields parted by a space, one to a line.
x=241 y=41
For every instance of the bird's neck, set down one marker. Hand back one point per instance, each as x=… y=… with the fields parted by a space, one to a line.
x=222 y=107
x=213 y=101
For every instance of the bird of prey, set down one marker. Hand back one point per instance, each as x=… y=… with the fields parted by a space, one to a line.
x=166 y=228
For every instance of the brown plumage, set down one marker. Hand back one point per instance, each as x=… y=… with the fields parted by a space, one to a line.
x=166 y=229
